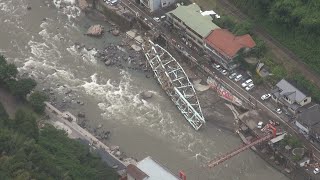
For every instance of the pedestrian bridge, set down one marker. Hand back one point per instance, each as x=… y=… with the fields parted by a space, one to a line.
x=175 y=82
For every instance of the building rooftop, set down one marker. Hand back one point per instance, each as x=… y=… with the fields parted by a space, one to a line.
x=192 y=17
x=290 y=91
x=227 y=43
x=310 y=116
x=154 y=170
x=136 y=173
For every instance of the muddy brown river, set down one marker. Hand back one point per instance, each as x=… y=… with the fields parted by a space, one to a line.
x=41 y=42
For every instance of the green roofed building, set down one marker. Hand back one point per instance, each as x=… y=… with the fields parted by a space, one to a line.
x=190 y=20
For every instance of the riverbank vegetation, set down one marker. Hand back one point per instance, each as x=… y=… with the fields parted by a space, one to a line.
x=296 y=24
x=27 y=152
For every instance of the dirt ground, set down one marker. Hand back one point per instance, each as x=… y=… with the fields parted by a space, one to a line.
x=10 y=103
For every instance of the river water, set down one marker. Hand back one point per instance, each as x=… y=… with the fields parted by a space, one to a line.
x=44 y=49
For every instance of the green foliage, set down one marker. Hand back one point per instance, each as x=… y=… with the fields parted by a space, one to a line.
x=225 y=22
x=53 y=156
x=292 y=141
x=7 y=71
x=8 y=78
x=25 y=122
x=3 y=112
x=22 y=87
x=296 y=158
x=36 y=100
x=260 y=49
x=295 y=23
x=242 y=28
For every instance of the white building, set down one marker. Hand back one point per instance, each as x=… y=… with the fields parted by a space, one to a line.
x=154 y=5
x=148 y=169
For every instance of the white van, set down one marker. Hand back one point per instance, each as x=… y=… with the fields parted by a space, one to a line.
x=238 y=78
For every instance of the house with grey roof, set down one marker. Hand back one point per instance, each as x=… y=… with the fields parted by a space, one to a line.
x=290 y=96
x=308 y=122
x=149 y=169
x=190 y=21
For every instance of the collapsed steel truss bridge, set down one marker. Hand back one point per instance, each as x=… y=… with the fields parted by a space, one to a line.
x=175 y=82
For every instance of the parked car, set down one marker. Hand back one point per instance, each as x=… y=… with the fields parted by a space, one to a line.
x=233 y=75
x=156 y=19
x=217 y=66
x=249 y=87
x=114 y=2
x=260 y=124
x=316 y=170
x=238 y=78
x=278 y=110
x=224 y=72
x=265 y=96
x=246 y=83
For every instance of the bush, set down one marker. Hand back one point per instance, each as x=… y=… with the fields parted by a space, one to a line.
x=242 y=28
x=25 y=123
x=36 y=100
x=260 y=49
x=21 y=87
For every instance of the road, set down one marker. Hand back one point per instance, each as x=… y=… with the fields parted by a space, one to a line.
x=231 y=85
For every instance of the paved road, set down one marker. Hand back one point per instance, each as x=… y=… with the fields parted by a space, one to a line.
x=231 y=85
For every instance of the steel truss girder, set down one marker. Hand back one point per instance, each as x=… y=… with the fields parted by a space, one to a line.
x=175 y=82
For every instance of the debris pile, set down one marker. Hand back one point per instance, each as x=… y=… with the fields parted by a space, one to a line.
x=95 y=30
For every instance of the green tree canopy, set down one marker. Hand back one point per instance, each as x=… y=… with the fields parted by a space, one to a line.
x=7 y=71
x=36 y=100
x=25 y=122
x=22 y=87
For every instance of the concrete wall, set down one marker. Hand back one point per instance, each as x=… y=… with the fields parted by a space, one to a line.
x=111 y=13
x=165 y=3
x=154 y=5
x=130 y=177
x=191 y=36
x=302 y=128
x=216 y=56
x=306 y=101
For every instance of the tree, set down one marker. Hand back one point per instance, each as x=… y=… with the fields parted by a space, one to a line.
x=7 y=71
x=243 y=28
x=3 y=115
x=36 y=100
x=25 y=122
x=226 y=22
x=260 y=49
x=22 y=87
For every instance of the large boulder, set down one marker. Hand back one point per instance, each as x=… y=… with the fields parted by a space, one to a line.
x=83 y=4
x=95 y=30
x=108 y=62
x=115 y=32
x=81 y=115
x=146 y=95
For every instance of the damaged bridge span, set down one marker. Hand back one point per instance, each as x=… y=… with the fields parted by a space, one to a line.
x=175 y=82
